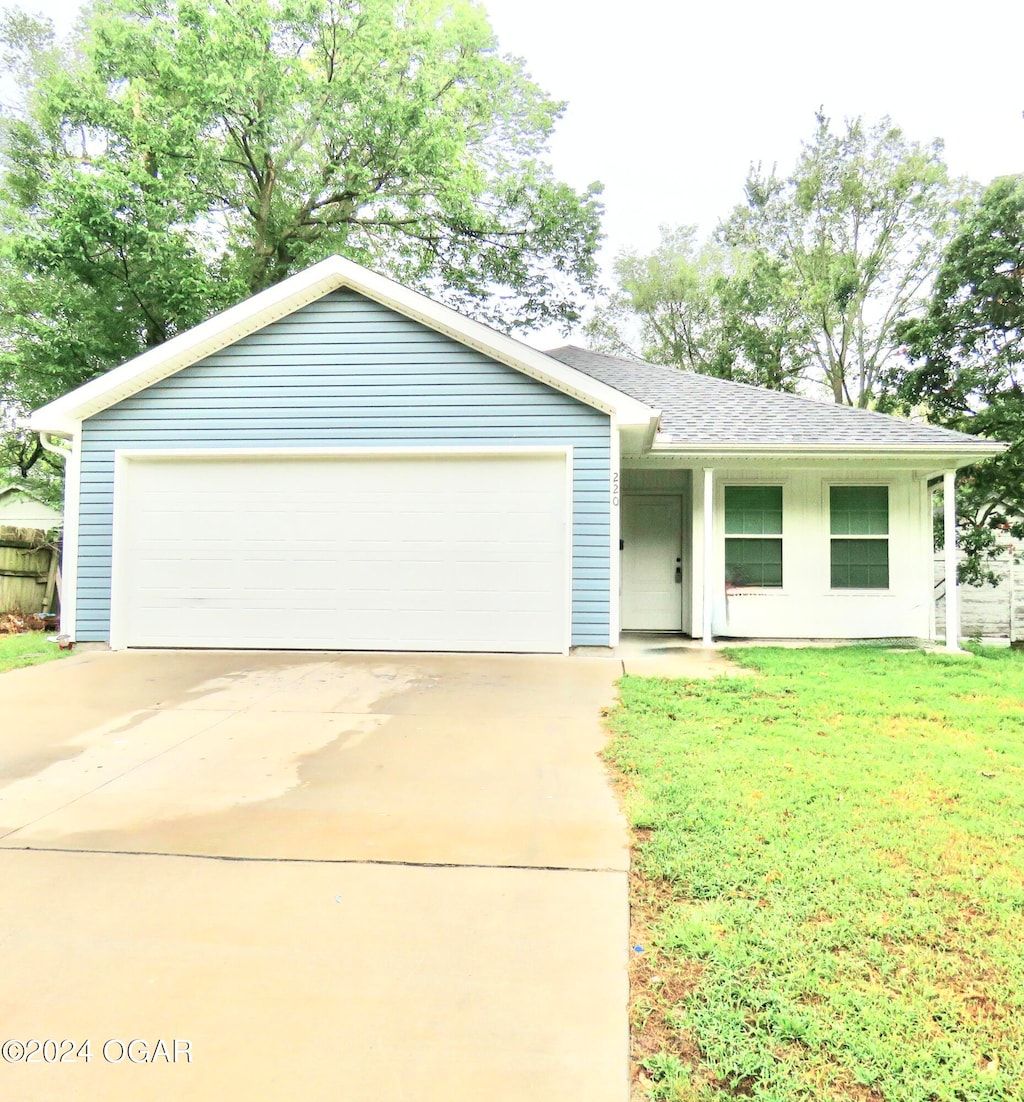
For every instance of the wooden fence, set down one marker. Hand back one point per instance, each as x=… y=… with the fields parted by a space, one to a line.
x=29 y=571
x=987 y=610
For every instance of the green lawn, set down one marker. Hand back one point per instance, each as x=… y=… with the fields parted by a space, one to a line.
x=28 y=649
x=829 y=887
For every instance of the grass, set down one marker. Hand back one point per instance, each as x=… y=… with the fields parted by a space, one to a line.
x=829 y=877
x=27 y=649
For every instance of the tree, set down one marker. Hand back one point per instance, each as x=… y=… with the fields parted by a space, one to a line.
x=966 y=365
x=807 y=281
x=702 y=307
x=177 y=155
x=23 y=459
x=670 y=295
x=848 y=243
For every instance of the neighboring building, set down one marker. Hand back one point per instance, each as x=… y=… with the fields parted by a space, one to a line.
x=21 y=509
x=342 y=463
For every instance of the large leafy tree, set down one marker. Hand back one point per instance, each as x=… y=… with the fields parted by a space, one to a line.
x=966 y=363
x=701 y=307
x=853 y=236
x=176 y=155
x=807 y=281
x=664 y=309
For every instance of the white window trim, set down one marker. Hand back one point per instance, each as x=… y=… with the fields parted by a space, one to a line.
x=753 y=590
x=826 y=513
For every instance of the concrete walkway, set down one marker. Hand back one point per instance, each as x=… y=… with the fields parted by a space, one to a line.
x=650 y=654
x=345 y=877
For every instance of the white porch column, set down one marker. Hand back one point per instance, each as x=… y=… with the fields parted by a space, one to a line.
x=709 y=551
x=949 y=543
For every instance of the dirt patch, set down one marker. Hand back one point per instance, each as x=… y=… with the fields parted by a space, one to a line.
x=848 y=1091
x=657 y=991
x=983 y=1008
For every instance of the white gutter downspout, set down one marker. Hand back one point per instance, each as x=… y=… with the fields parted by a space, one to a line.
x=53 y=449
x=949 y=544
x=71 y=472
x=72 y=457
x=709 y=548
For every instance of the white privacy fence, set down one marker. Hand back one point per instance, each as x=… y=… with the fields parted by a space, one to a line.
x=987 y=610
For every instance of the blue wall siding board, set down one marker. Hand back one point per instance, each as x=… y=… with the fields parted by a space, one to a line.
x=241 y=433
x=404 y=418
x=346 y=372
x=362 y=373
x=368 y=398
x=248 y=385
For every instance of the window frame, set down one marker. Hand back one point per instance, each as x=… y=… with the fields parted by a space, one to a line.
x=775 y=537
x=883 y=538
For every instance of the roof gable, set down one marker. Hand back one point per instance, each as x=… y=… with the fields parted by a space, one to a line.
x=64 y=415
x=342 y=362
x=22 y=508
x=19 y=492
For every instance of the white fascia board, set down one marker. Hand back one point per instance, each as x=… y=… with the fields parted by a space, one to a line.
x=636 y=440
x=64 y=415
x=960 y=455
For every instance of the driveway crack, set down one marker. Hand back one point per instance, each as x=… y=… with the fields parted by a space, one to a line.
x=243 y=859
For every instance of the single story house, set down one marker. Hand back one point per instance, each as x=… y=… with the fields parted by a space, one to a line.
x=342 y=463
x=20 y=508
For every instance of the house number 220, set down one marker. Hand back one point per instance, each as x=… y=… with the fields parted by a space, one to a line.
x=615 y=487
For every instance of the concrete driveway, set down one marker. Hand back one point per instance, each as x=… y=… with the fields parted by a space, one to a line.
x=309 y=876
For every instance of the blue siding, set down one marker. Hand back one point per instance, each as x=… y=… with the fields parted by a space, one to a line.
x=345 y=371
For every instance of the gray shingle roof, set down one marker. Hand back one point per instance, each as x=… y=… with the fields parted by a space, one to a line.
x=701 y=410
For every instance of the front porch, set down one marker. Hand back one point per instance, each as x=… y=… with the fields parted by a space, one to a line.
x=794 y=551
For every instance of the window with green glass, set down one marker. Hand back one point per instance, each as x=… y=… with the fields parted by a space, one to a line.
x=753 y=536
x=859 y=524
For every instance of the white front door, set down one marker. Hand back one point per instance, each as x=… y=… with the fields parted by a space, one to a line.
x=652 y=576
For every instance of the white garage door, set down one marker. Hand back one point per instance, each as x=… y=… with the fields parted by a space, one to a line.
x=399 y=552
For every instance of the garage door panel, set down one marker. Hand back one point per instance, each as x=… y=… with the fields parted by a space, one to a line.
x=465 y=631
x=169 y=580
x=459 y=553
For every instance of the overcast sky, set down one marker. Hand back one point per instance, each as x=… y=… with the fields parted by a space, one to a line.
x=670 y=102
